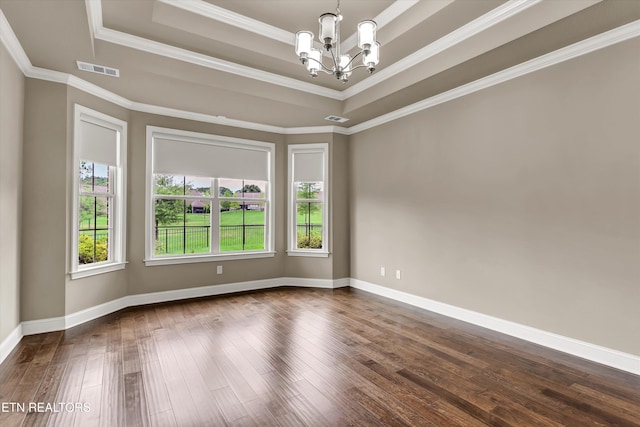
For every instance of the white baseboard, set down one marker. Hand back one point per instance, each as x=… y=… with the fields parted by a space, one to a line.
x=39 y=326
x=616 y=359
x=317 y=283
x=31 y=327
x=10 y=342
x=606 y=356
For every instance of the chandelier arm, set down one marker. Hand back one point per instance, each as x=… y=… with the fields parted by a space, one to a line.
x=324 y=67
x=354 y=57
x=359 y=66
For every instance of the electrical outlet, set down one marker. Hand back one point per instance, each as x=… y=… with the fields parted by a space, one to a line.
x=219 y=269
x=398 y=274
x=382 y=271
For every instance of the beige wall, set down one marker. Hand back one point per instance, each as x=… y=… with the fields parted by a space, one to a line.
x=11 y=123
x=44 y=200
x=521 y=201
x=339 y=164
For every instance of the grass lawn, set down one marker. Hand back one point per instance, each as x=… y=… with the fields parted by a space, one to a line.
x=101 y=222
x=172 y=240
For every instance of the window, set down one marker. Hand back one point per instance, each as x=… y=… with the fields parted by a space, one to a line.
x=100 y=146
x=209 y=197
x=308 y=187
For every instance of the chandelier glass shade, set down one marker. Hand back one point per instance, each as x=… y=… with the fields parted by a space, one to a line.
x=329 y=36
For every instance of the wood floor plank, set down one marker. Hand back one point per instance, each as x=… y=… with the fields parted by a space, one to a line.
x=88 y=415
x=46 y=393
x=136 y=412
x=112 y=399
x=305 y=357
x=164 y=419
x=155 y=388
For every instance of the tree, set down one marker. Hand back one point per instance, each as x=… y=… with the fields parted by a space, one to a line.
x=86 y=173
x=251 y=188
x=168 y=211
x=90 y=205
x=308 y=191
x=228 y=205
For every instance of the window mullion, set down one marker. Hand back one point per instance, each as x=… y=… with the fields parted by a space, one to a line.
x=214 y=218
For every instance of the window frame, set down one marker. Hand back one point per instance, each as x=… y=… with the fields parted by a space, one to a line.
x=117 y=193
x=151 y=259
x=292 y=241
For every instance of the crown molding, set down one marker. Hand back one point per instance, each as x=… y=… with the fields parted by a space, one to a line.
x=184 y=55
x=483 y=23
x=388 y=15
x=580 y=48
x=229 y=17
x=600 y=41
x=316 y=129
x=94 y=14
x=263 y=29
x=206 y=118
x=12 y=44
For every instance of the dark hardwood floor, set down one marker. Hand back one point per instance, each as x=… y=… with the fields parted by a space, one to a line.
x=296 y=357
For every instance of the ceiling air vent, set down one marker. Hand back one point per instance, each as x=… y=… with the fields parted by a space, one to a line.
x=336 y=119
x=100 y=69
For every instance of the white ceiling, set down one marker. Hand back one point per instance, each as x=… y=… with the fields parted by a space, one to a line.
x=235 y=58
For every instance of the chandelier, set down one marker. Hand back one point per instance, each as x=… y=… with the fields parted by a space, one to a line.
x=329 y=36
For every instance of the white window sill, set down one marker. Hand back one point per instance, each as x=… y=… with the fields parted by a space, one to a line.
x=312 y=254
x=98 y=269
x=188 y=259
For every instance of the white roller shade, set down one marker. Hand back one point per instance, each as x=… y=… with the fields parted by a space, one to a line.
x=98 y=144
x=308 y=167
x=209 y=160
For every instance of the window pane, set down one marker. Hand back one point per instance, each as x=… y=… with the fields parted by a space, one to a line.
x=198 y=186
x=310 y=190
x=93 y=226
x=230 y=187
x=237 y=188
x=309 y=225
x=254 y=189
x=169 y=184
x=94 y=177
x=182 y=227
x=179 y=185
x=241 y=226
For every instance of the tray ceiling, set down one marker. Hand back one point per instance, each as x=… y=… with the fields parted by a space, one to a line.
x=235 y=58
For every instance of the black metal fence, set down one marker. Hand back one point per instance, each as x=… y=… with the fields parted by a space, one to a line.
x=178 y=239
x=196 y=238
x=241 y=237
